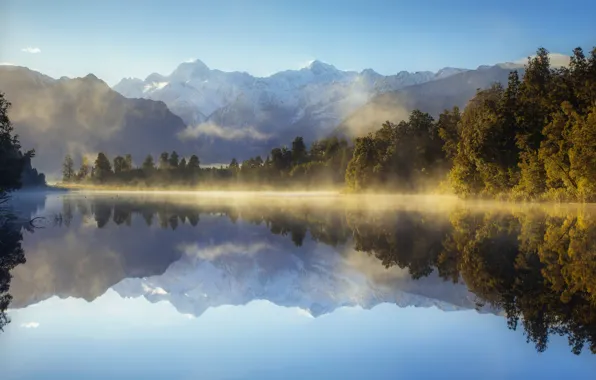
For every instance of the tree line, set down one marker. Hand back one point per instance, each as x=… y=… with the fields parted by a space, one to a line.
x=323 y=163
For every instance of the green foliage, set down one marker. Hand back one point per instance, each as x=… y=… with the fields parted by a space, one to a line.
x=164 y=161
x=534 y=139
x=119 y=165
x=299 y=151
x=12 y=160
x=404 y=157
x=68 y=171
x=84 y=171
x=148 y=165
x=102 y=171
x=173 y=160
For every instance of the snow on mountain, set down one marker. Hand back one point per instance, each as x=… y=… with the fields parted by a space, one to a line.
x=229 y=274
x=312 y=99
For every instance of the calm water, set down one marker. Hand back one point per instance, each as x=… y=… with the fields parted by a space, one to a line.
x=203 y=287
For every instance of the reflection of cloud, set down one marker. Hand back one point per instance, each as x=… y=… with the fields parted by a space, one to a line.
x=157 y=290
x=226 y=133
x=304 y=313
x=31 y=50
x=213 y=252
x=369 y=266
x=30 y=325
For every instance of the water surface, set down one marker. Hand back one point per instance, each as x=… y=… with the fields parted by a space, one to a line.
x=187 y=286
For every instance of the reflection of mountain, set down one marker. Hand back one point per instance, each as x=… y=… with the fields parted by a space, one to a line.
x=221 y=263
x=319 y=282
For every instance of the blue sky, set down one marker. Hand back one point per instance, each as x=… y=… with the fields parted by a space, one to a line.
x=115 y=39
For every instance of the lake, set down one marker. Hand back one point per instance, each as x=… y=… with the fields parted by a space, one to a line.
x=318 y=286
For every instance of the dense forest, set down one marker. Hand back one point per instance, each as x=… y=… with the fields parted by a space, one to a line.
x=532 y=139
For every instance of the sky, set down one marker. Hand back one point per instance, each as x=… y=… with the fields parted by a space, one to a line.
x=133 y=38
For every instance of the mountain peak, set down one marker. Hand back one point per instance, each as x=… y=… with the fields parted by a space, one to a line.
x=155 y=77
x=319 y=67
x=448 y=71
x=370 y=73
x=191 y=70
x=92 y=78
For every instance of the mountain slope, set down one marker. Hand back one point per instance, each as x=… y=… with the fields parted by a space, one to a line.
x=432 y=97
x=84 y=116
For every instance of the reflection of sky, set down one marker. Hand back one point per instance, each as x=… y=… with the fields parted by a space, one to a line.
x=114 y=337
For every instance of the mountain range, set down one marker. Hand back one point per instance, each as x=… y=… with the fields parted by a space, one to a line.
x=219 y=115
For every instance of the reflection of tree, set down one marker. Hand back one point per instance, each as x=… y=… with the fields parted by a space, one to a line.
x=122 y=214
x=102 y=212
x=538 y=270
x=407 y=240
x=11 y=255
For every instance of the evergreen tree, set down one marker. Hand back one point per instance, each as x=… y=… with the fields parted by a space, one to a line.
x=234 y=167
x=164 y=162
x=173 y=161
x=102 y=170
x=68 y=171
x=148 y=165
x=448 y=125
x=193 y=163
x=84 y=170
x=12 y=161
x=119 y=164
x=298 y=151
x=127 y=162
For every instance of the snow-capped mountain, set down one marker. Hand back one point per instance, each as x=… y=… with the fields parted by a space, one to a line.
x=311 y=100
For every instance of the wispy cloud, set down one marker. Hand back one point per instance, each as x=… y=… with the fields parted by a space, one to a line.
x=30 y=325
x=556 y=60
x=226 y=133
x=7 y=64
x=32 y=50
